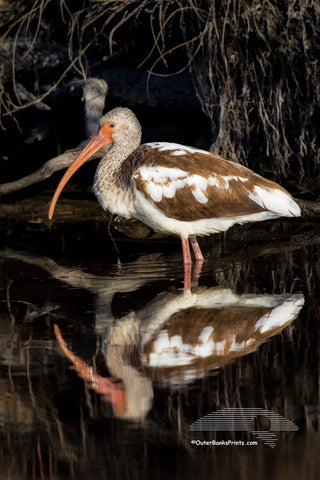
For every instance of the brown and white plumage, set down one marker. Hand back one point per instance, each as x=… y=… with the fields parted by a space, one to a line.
x=173 y=188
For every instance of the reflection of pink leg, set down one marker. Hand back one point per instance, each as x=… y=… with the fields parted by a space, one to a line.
x=196 y=249
x=187 y=277
x=187 y=263
x=196 y=272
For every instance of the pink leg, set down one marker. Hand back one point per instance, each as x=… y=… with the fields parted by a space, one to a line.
x=186 y=251
x=196 y=249
x=187 y=264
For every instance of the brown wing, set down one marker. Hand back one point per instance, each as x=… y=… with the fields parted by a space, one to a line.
x=189 y=184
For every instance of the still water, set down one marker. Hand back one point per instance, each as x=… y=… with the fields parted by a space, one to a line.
x=108 y=370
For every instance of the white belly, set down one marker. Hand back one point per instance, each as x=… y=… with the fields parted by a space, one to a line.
x=154 y=218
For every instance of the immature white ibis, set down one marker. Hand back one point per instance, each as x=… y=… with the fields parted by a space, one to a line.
x=173 y=188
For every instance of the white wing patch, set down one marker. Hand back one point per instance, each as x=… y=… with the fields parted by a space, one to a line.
x=175 y=148
x=171 y=351
x=222 y=181
x=165 y=181
x=280 y=315
x=275 y=200
x=161 y=174
x=162 y=181
x=200 y=184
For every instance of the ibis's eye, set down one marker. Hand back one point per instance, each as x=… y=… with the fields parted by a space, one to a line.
x=112 y=125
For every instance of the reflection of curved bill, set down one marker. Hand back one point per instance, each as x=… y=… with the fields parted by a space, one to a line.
x=108 y=387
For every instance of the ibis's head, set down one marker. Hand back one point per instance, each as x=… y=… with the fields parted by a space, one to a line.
x=120 y=126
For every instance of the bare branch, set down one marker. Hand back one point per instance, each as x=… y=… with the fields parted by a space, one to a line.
x=47 y=169
x=95 y=91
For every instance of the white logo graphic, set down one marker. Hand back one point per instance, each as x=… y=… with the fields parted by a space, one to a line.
x=258 y=421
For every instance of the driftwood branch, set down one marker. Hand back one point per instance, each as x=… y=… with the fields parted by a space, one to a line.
x=47 y=169
x=94 y=93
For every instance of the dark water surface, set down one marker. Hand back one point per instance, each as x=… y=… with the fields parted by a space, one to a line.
x=148 y=362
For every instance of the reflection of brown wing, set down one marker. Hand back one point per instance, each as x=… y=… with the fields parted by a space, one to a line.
x=196 y=341
x=112 y=392
x=205 y=185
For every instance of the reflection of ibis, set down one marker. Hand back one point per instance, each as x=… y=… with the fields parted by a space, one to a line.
x=173 y=188
x=174 y=339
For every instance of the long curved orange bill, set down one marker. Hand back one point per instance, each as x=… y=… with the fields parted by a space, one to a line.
x=101 y=139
